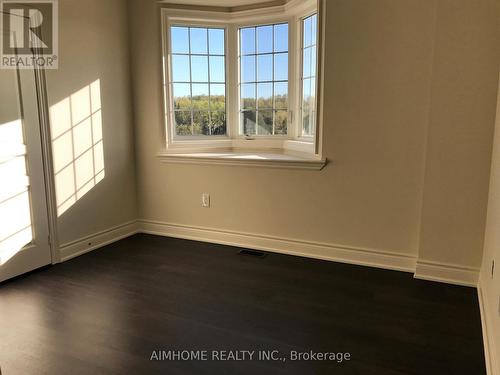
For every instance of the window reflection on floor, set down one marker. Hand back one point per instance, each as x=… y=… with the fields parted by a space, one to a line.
x=77 y=146
x=15 y=213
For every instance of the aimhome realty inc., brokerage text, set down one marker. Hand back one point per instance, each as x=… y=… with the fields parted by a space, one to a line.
x=248 y=355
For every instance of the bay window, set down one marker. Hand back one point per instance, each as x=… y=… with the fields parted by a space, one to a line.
x=241 y=79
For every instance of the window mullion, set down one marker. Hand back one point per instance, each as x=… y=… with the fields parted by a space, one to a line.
x=190 y=82
x=209 y=80
x=272 y=75
x=256 y=83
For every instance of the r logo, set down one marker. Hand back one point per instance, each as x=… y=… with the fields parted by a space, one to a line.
x=29 y=28
x=19 y=23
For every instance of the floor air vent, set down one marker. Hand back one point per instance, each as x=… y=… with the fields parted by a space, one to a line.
x=253 y=253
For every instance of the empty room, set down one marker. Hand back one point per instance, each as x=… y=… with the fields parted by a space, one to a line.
x=250 y=187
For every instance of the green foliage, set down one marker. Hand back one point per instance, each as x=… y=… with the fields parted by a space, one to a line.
x=209 y=117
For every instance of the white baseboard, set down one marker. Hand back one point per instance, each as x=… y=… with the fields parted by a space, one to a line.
x=354 y=255
x=488 y=339
x=85 y=244
x=447 y=273
x=360 y=256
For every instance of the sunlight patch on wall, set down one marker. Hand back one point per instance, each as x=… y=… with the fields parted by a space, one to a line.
x=77 y=145
x=15 y=212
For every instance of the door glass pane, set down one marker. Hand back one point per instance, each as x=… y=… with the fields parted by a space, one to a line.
x=15 y=211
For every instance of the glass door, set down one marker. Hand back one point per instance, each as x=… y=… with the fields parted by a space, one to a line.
x=24 y=233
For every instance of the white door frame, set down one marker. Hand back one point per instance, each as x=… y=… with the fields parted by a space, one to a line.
x=48 y=169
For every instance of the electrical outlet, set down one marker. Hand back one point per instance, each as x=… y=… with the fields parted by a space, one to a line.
x=205 y=200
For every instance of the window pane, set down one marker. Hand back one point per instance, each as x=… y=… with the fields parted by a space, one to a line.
x=312 y=117
x=281 y=67
x=182 y=95
x=280 y=122
x=180 y=68
x=217 y=97
x=265 y=95
x=281 y=38
x=198 y=40
x=306 y=92
x=309 y=57
x=312 y=99
x=216 y=41
x=247 y=41
x=248 y=122
x=248 y=95
x=306 y=124
x=200 y=96
x=313 y=61
x=248 y=69
x=264 y=39
x=182 y=122
x=198 y=88
x=179 y=38
x=199 y=68
x=306 y=62
x=218 y=123
x=217 y=72
x=314 y=27
x=266 y=63
x=201 y=123
x=264 y=68
x=281 y=95
x=307 y=32
x=264 y=122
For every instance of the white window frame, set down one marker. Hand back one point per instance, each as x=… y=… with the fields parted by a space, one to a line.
x=293 y=13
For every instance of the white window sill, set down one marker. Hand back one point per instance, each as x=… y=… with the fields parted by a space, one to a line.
x=245 y=159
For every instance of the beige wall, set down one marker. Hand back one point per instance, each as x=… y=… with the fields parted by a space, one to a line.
x=368 y=196
x=461 y=121
x=490 y=284
x=386 y=83
x=93 y=45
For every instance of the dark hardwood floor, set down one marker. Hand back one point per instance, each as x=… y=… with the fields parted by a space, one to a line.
x=107 y=311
